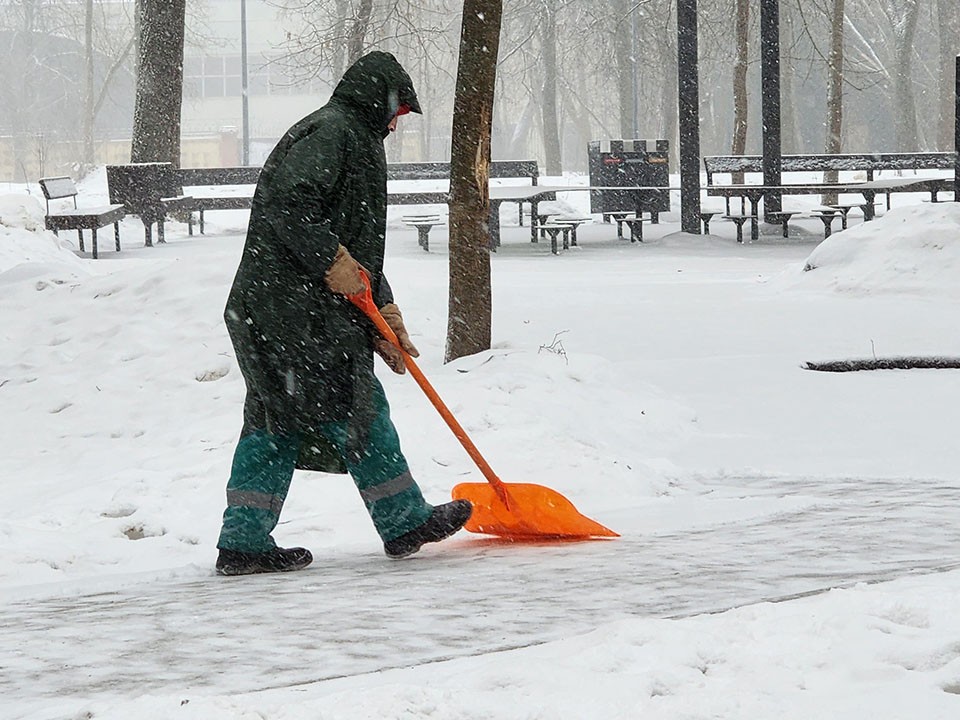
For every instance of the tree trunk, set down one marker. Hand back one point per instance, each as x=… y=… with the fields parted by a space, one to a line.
x=905 y=106
x=549 y=109
x=339 y=33
x=834 y=137
x=791 y=140
x=623 y=51
x=156 y=119
x=88 y=91
x=948 y=14
x=469 y=318
x=356 y=43
x=740 y=66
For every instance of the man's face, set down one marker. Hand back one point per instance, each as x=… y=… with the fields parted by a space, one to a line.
x=392 y=125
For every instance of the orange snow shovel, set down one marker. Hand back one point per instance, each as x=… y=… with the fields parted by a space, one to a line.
x=515 y=511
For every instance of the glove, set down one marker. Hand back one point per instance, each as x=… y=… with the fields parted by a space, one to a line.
x=344 y=274
x=391 y=313
x=391 y=355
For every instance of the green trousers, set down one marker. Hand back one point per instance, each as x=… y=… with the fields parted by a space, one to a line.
x=263 y=466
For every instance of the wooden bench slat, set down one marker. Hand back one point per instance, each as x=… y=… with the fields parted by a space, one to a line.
x=55 y=188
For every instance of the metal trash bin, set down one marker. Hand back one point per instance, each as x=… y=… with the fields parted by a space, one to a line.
x=645 y=163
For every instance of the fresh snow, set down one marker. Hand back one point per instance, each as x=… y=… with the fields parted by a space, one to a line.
x=789 y=538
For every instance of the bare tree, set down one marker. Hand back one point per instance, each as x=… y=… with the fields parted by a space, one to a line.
x=834 y=136
x=740 y=65
x=903 y=18
x=359 y=26
x=549 y=109
x=469 y=319
x=948 y=15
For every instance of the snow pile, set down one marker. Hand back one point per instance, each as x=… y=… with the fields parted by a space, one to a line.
x=914 y=249
x=26 y=249
x=21 y=211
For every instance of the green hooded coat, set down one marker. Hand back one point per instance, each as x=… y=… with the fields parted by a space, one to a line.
x=306 y=354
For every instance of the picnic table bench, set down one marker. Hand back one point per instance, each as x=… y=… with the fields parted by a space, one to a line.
x=79 y=219
x=869 y=191
x=420 y=171
x=869 y=163
x=423 y=224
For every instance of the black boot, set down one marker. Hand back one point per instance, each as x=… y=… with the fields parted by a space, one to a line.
x=234 y=562
x=445 y=520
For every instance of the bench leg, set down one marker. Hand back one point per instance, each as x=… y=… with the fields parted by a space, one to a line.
x=80 y=235
x=739 y=231
x=636 y=231
x=423 y=237
x=116 y=234
x=786 y=228
x=534 y=206
x=573 y=235
x=566 y=238
x=93 y=240
x=827 y=226
x=190 y=224
x=553 y=241
x=201 y=221
x=706 y=226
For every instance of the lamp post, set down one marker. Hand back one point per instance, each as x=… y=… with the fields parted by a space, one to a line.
x=688 y=93
x=244 y=87
x=635 y=75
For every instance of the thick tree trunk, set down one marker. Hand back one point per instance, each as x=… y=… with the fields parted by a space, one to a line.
x=834 y=137
x=948 y=14
x=549 y=110
x=469 y=319
x=156 y=119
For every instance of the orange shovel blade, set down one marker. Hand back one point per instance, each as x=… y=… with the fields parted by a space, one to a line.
x=535 y=512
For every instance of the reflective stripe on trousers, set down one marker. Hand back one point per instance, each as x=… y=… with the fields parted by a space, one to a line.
x=263 y=467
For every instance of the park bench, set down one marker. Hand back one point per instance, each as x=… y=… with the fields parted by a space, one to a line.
x=59 y=188
x=868 y=163
x=420 y=171
x=553 y=230
x=151 y=191
x=574 y=221
x=240 y=180
x=423 y=224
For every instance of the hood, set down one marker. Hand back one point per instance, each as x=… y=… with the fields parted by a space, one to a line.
x=377 y=85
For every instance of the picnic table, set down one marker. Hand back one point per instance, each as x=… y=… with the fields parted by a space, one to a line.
x=542 y=193
x=869 y=190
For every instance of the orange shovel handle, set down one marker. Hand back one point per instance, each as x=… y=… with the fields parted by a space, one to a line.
x=364 y=301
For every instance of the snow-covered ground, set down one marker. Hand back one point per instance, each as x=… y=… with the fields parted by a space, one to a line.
x=658 y=386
